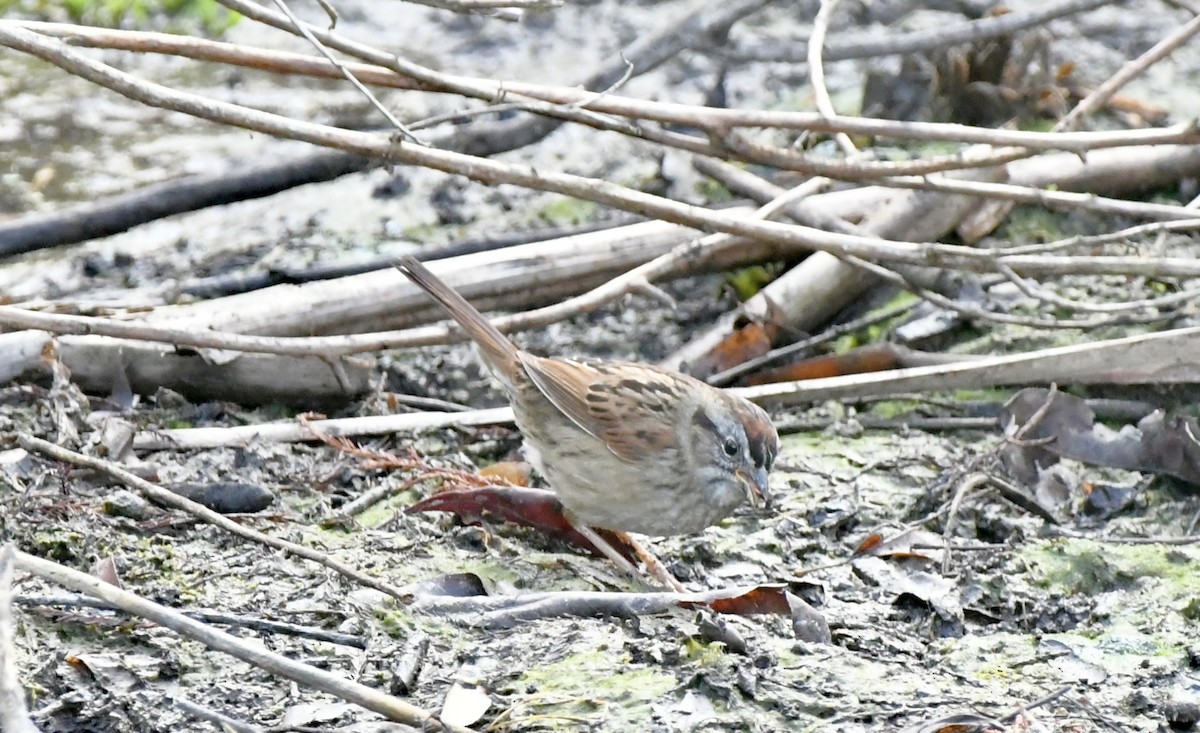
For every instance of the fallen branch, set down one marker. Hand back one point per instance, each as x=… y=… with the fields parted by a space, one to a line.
x=1159 y=358
x=295 y=431
x=255 y=654
x=507 y=611
x=206 y=616
x=164 y=497
x=492 y=172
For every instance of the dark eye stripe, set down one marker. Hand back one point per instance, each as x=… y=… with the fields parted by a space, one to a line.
x=758 y=453
x=762 y=451
x=701 y=420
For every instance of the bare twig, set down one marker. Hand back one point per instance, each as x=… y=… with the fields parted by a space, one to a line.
x=293 y=431
x=367 y=697
x=1040 y=293
x=303 y=30
x=816 y=71
x=968 y=484
x=1042 y=197
x=380 y=74
x=1100 y=96
x=208 y=617
x=829 y=334
x=223 y=722
x=872 y=45
x=504 y=611
x=175 y=501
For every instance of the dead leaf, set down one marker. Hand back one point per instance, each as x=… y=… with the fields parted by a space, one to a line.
x=939 y=593
x=517 y=473
x=535 y=508
x=1066 y=428
x=464 y=704
x=310 y=713
x=106 y=570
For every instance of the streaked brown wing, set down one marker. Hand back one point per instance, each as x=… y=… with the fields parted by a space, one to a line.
x=595 y=395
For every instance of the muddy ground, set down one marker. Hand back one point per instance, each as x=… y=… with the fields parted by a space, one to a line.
x=1021 y=613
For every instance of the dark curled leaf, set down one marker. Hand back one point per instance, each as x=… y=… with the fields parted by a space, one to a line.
x=1105 y=500
x=712 y=628
x=807 y=622
x=226 y=497
x=535 y=508
x=1067 y=428
x=454 y=585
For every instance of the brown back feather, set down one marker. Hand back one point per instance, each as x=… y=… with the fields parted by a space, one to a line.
x=587 y=392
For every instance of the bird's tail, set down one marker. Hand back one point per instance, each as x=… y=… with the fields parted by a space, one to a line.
x=495 y=346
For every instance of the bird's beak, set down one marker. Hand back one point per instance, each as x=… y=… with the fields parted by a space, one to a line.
x=755 y=484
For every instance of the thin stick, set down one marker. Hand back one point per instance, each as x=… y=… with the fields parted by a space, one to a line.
x=223 y=722
x=1105 y=91
x=208 y=617
x=367 y=697
x=303 y=30
x=492 y=171
x=162 y=496
x=968 y=484
x=816 y=71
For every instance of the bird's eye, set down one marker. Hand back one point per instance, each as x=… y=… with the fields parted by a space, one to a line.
x=730 y=447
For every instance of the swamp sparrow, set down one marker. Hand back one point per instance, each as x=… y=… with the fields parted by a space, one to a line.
x=626 y=447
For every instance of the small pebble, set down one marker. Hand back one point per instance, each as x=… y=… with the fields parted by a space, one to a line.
x=126 y=504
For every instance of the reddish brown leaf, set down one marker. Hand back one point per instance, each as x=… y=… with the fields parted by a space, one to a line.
x=535 y=508
x=760 y=599
x=743 y=344
x=869 y=543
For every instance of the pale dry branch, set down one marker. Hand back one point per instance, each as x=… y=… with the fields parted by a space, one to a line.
x=294 y=432
x=1166 y=357
x=1158 y=358
x=566 y=98
x=1100 y=96
x=491 y=172
x=1026 y=194
x=870 y=45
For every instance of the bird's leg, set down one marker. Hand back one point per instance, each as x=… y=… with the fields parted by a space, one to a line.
x=653 y=565
x=606 y=549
